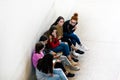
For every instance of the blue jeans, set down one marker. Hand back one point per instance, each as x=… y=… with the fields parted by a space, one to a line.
x=62 y=48
x=65 y=60
x=54 y=77
x=61 y=74
x=43 y=76
x=58 y=74
x=73 y=37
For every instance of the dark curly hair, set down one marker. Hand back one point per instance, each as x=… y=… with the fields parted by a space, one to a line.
x=45 y=64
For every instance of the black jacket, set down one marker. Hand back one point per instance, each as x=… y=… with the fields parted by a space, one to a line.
x=67 y=27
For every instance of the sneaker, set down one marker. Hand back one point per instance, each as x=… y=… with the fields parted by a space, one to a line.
x=75 y=60
x=79 y=52
x=75 y=68
x=75 y=55
x=70 y=75
x=74 y=63
x=83 y=48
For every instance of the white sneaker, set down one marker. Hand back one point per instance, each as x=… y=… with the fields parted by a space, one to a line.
x=75 y=54
x=83 y=48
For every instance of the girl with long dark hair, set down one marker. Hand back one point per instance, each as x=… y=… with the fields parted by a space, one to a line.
x=45 y=71
x=39 y=54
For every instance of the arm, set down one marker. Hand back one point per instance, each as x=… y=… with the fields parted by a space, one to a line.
x=74 y=28
x=65 y=27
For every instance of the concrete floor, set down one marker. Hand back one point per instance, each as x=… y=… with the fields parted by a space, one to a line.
x=101 y=62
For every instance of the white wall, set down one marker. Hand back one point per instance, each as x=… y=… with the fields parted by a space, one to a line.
x=100 y=19
x=99 y=29
x=22 y=22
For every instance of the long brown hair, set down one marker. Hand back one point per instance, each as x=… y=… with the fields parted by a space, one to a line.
x=38 y=47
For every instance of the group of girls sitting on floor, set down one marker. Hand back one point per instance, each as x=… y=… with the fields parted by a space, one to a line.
x=55 y=50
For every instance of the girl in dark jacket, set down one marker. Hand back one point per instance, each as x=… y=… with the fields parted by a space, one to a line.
x=68 y=31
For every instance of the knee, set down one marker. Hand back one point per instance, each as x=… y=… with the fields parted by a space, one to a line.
x=64 y=44
x=73 y=35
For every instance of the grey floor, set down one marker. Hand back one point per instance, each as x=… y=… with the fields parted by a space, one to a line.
x=101 y=62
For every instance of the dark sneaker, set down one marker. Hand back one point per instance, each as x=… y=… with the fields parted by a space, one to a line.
x=79 y=52
x=70 y=75
x=75 y=60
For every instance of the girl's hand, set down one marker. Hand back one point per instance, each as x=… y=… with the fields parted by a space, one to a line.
x=74 y=28
x=54 y=34
x=58 y=60
x=59 y=37
x=56 y=56
x=51 y=74
x=50 y=37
